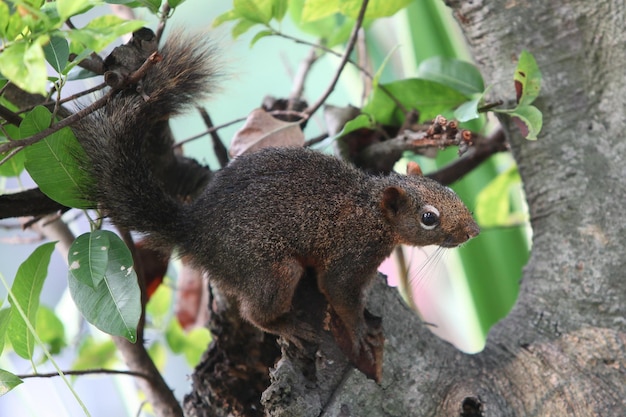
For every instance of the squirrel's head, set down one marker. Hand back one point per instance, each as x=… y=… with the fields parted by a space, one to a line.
x=424 y=212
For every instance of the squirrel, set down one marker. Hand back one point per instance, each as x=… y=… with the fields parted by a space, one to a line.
x=267 y=217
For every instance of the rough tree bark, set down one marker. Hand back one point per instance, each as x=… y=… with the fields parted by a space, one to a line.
x=561 y=350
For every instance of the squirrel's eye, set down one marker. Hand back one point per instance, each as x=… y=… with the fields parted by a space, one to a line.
x=430 y=218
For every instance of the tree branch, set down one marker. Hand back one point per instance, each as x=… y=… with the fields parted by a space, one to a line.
x=297 y=88
x=361 y=68
x=483 y=149
x=86 y=372
x=218 y=146
x=28 y=203
x=344 y=59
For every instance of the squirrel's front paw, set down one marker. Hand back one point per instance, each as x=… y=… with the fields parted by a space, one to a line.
x=363 y=345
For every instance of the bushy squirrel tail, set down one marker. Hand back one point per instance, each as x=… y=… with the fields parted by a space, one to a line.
x=126 y=139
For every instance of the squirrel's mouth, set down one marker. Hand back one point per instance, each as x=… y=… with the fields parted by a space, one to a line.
x=449 y=244
x=452 y=241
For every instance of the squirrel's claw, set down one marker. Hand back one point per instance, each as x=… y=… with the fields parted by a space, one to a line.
x=364 y=347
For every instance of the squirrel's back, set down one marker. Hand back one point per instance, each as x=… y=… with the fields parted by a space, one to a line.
x=296 y=202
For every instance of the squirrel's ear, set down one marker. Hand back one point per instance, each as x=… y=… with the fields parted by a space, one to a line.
x=413 y=168
x=393 y=200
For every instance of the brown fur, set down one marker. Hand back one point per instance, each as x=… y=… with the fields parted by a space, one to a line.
x=270 y=216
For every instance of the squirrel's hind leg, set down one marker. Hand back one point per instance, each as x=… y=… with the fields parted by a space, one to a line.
x=270 y=306
x=357 y=332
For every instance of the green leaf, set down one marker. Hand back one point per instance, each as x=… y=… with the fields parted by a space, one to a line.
x=8 y=381
x=69 y=8
x=430 y=98
x=14 y=166
x=175 y=336
x=380 y=70
x=313 y=10
x=35 y=121
x=459 y=75
x=191 y=344
x=57 y=53
x=152 y=5
x=528 y=119
x=196 y=343
x=279 y=9
x=159 y=304
x=375 y=8
x=158 y=354
x=12 y=29
x=527 y=79
x=5 y=317
x=334 y=28
x=242 y=27
x=175 y=3
x=493 y=203
x=25 y=65
x=103 y=30
x=340 y=33
x=50 y=330
x=226 y=17
x=468 y=110
x=260 y=35
x=92 y=354
x=257 y=11
x=114 y=306
x=88 y=257
x=359 y=122
x=53 y=162
x=26 y=289
x=4 y=19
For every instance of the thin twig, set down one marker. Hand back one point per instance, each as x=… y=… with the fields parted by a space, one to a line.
x=66 y=99
x=218 y=146
x=208 y=131
x=86 y=372
x=301 y=115
x=363 y=70
x=484 y=148
x=165 y=14
x=315 y=140
x=362 y=57
x=297 y=88
x=489 y=106
x=344 y=59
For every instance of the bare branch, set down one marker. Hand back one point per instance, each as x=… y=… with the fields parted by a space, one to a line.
x=361 y=68
x=165 y=14
x=297 y=88
x=218 y=146
x=344 y=59
x=101 y=371
x=484 y=148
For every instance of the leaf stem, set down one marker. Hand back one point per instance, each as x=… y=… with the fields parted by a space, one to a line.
x=17 y=306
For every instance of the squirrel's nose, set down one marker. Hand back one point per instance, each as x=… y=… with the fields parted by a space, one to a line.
x=472 y=230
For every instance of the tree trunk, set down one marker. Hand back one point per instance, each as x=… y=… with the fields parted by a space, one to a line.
x=561 y=350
